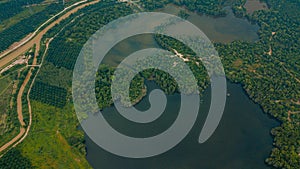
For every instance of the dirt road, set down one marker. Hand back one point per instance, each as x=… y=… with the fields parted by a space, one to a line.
x=8 y=144
x=31 y=35
x=36 y=40
x=17 y=52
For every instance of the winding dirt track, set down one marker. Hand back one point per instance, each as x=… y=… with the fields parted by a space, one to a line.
x=14 y=54
x=36 y=39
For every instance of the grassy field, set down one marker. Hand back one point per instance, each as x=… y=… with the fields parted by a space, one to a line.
x=54 y=136
x=5 y=82
x=8 y=116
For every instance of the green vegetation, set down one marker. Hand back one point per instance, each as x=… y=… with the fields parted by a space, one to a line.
x=183 y=14
x=104 y=78
x=26 y=26
x=25 y=109
x=64 y=49
x=14 y=159
x=27 y=12
x=9 y=123
x=268 y=69
x=195 y=65
x=54 y=134
x=51 y=95
x=8 y=129
x=60 y=77
x=153 y=4
x=54 y=140
x=210 y=7
x=238 y=8
x=69 y=2
x=11 y=7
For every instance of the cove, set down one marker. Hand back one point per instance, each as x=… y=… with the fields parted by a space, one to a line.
x=242 y=139
x=219 y=29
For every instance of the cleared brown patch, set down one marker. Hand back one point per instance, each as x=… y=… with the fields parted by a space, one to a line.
x=237 y=63
x=255 y=5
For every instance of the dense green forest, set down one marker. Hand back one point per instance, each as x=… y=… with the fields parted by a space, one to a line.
x=51 y=95
x=209 y=7
x=153 y=4
x=103 y=82
x=12 y=7
x=26 y=26
x=269 y=72
x=65 y=48
x=9 y=125
x=61 y=124
x=14 y=159
x=268 y=69
x=270 y=79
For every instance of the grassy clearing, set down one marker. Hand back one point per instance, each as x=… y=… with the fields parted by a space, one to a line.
x=54 y=136
x=55 y=76
x=8 y=116
x=4 y=84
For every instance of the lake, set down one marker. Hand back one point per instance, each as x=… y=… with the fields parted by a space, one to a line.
x=254 y=5
x=219 y=29
x=242 y=139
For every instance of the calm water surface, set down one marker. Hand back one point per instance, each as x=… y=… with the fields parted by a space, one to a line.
x=254 y=5
x=220 y=29
x=242 y=140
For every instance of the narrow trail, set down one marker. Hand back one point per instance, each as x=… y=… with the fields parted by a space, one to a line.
x=291 y=113
x=290 y=73
x=287 y=71
x=270 y=52
x=28 y=93
x=134 y=3
x=23 y=132
x=8 y=144
x=36 y=40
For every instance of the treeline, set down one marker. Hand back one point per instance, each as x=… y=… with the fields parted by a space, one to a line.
x=209 y=7
x=14 y=159
x=72 y=35
x=269 y=71
x=104 y=78
x=12 y=7
x=26 y=26
x=48 y=94
x=65 y=49
x=154 y=4
x=238 y=8
x=194 y=62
